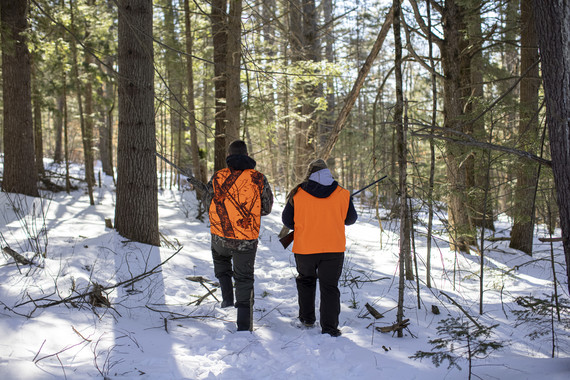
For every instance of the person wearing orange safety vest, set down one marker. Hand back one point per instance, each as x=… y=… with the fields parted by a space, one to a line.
x=236 y=197
x=317 y=210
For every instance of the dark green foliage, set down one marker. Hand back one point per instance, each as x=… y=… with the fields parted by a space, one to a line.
x=545 y=316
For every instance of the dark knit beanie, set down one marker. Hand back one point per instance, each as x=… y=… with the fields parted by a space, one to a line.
x=237 y=147
x=316 y=165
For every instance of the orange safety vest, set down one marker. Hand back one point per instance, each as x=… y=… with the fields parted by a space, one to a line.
x=235 y=211
x=319 y=222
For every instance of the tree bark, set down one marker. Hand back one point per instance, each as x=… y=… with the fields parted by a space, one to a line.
x=405 y=268
x=106 y=127
x=190 y=99
x=480 y=213
x=233 y=61
x=218 y=18
x=136 y=210
x=175 y=84
x=58 y=130
x=455 y=65
x=86 y=125
x=20 y=174
x=524 y=208
x=38 y=135
x=552 y=20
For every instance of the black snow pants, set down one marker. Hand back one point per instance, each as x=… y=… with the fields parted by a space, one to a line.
x=327 y=268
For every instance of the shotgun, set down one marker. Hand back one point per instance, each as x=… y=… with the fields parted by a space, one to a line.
x=288 y=239
x=193 y=180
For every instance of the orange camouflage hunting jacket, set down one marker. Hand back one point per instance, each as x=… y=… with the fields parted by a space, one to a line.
x=235 y=210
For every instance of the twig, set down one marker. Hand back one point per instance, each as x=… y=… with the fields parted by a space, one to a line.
x=269 y=312
x=40 y=350
x=125 y=283
x=78 y=333
x=182 y=316
x=462 y=309
x=396 y=326
x=209 y=291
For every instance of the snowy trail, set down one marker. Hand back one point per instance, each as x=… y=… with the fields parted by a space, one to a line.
x=156 y=331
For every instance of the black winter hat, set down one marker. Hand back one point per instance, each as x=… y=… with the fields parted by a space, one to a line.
x=316 y=165
x=237 y=147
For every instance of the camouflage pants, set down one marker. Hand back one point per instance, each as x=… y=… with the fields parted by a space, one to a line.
x=238 y=264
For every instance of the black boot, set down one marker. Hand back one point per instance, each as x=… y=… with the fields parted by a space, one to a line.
x=243 y=319
x=227 y=291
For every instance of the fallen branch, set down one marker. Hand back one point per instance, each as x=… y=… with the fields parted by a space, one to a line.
x=16 y=256
x=375 y=313
x=395 y=327
x=89 y=294
x=176 y=316
x=462 y=309
x=499 y=238
x=209 y=291
x=201 y=279
x=551 y=240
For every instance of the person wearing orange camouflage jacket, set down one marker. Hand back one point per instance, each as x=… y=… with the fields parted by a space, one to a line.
x=236 y=197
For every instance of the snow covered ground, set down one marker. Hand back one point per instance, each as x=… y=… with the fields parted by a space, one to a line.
x=156 y=328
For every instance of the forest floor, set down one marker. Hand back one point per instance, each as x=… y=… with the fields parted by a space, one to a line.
x=153 y=322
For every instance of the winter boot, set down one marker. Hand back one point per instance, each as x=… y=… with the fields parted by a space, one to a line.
x=227 y=291
x=244 y=319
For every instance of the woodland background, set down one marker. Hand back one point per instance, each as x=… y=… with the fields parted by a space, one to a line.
x=450 y=99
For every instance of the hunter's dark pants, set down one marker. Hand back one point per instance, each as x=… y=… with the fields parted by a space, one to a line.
x=241 y=271
x=327 y=268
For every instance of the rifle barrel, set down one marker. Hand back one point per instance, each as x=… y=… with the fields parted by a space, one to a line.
x=367 y=186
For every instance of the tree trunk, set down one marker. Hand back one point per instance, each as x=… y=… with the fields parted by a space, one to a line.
x=327 y=125
x=476 y=164
x=20 y=174
x=402 y=147
x=233 y=61
x=220 y=40
x=106 y=128
x=175 y=83
x=86 y=126
x=136 y=210
x=58 y=130
x=66 y=135
x=274 y=153
x=299 y=23
x=552 y=20
x=190 y=99
x=455 y=67
x=38 y=135
x=431 y=147
x=399 y=126
x=523 y=211
x=106 y=109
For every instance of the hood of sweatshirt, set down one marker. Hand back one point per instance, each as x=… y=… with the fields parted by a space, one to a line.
x=321 y=184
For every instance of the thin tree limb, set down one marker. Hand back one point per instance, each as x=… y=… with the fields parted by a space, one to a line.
x=353 y=94
x=462 y=309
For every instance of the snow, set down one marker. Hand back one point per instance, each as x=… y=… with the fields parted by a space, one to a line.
x=155 y=329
